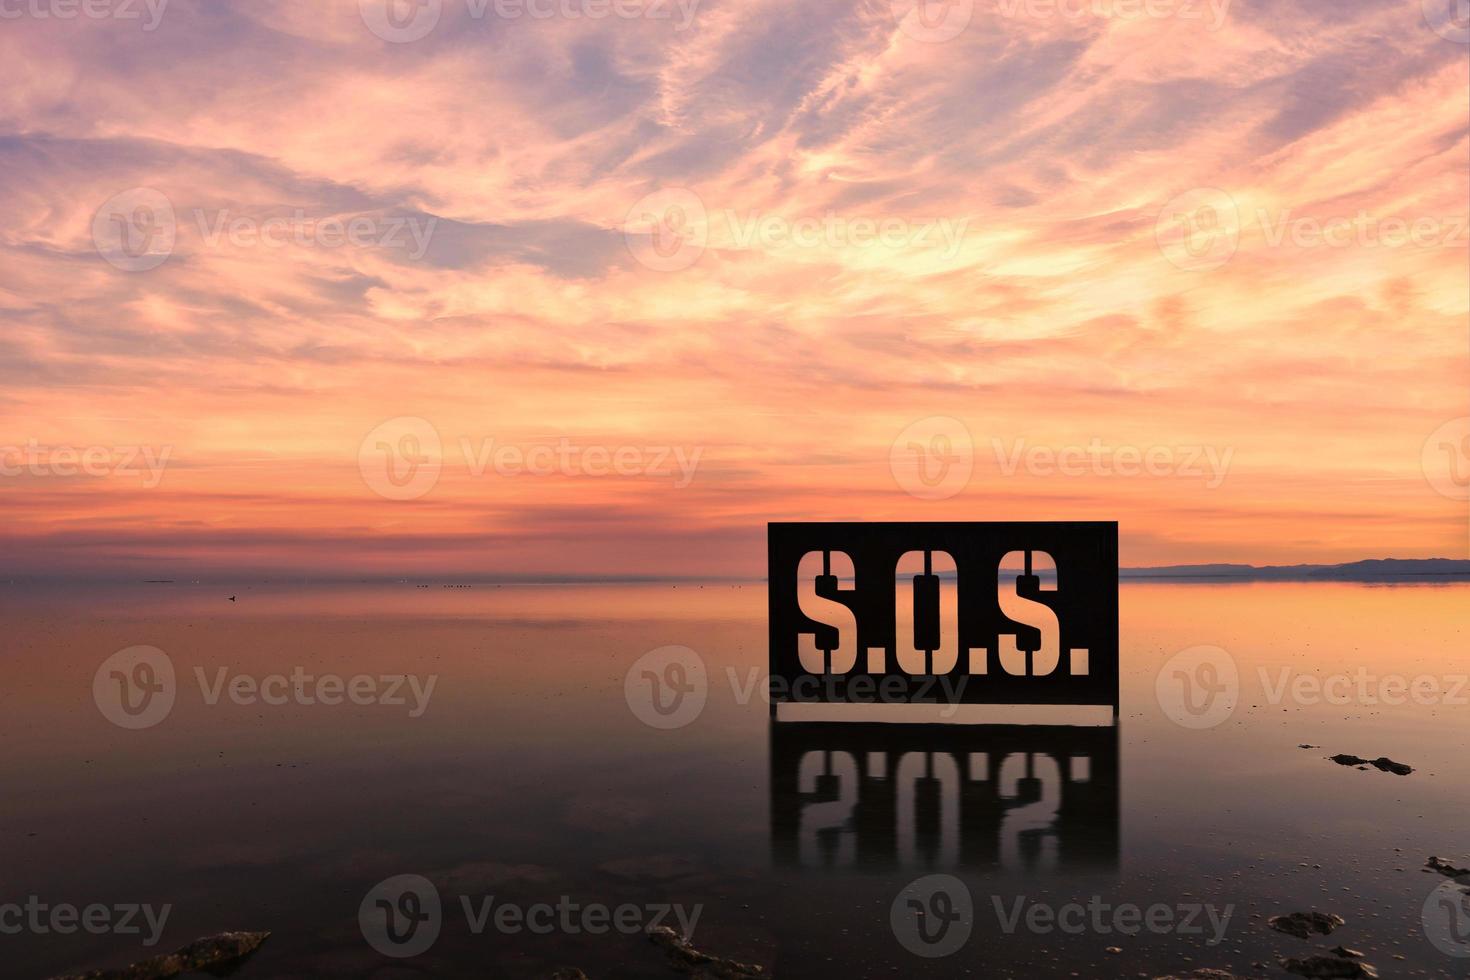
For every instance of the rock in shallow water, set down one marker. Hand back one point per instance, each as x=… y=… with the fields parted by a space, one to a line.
x=1451 y=869
x=1303 y=924
x=702 y=966
x=1323 y=967
x=202 y=954
x=1382 y=763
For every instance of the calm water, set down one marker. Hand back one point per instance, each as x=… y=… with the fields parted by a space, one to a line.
x=528 y=778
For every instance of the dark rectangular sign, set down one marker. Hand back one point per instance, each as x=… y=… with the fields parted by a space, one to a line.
x=944 y=612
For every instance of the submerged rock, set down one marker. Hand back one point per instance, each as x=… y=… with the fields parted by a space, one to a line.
x=1449 y=869
x=569 y=973
x=1343 y=951
x=703 y=966
x=1303 y=924
x=1326 y=967
x=1382 y=763
x=1202 y=974
x=227 y=948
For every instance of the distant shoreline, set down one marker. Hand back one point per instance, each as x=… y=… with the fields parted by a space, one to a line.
x=1370 y=570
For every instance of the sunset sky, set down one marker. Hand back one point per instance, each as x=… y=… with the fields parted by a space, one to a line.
x=782 y=245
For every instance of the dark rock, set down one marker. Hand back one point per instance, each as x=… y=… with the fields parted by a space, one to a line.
x=1382 y=763
x=1202 y=974
x=1303 y=924
x=1388 y=765
x=1352 y=954
x=570 y=973
x=1328 y=967
x=702 y=966
x=209 y=953
x=1449 y=869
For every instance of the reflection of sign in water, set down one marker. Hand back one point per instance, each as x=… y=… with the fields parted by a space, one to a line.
x=1009 y=613
x=924 y=798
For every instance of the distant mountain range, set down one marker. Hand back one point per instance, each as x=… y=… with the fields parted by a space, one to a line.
x=1371 y=570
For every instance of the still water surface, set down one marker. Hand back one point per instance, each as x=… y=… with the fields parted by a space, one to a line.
x=527 y=777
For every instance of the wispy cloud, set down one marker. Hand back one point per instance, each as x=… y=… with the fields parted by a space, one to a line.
x=777 y=234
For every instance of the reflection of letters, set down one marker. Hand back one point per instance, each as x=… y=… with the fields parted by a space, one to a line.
x=1030 y=785
x=930 y=798
x=827 y=783
x=928 y=810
